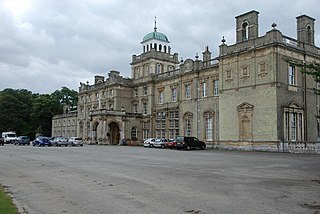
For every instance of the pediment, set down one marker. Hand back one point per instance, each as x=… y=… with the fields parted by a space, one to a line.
x=245 y=106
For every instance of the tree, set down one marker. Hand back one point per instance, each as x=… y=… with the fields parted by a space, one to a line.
x=15 y=108
x=65 y=96
x=312 y=69
x=45 y=106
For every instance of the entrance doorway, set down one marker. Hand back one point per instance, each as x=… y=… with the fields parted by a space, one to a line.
x=114 y=133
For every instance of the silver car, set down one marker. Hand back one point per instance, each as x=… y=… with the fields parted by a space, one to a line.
x=75 y=141
x=59 y=141
x=160 y=143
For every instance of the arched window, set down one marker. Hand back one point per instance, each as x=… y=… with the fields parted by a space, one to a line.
x=165 y=49
x=245 y=31
x=160 y=47
x=309 y=34
x=144 y=49
x=155 y=46
x=147 y=47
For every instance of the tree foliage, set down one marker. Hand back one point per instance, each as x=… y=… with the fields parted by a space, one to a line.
x=28 y=113
x=312 y=69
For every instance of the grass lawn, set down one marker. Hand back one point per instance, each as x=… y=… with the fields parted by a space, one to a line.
x=6 y=204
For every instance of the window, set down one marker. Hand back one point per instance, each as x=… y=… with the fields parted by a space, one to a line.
x=161 y=125
x=173 y=124
x=145 y=108
x=145 y=90
x=174 y=95
x=291 y=75
x=135 y=92
x=209 y=126
x=134 y=133
x=145 y=131
x=309 y=38
x=216 y=88
x=135 y=108
x=293 y=123
x=188 y=91
x=187 y=127
x=158 y=68
x=245 y=31
x=161 y=97
x=204 y=89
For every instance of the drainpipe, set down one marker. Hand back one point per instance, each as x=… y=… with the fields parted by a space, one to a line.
x=305 y=100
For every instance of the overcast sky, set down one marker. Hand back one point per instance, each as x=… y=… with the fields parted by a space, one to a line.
x=48 y=44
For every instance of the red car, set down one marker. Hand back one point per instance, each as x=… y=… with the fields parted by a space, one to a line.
x=171 y=143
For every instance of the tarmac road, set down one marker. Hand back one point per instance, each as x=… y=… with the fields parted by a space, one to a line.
x=115 y=179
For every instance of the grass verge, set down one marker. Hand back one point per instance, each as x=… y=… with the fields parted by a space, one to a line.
x=6 y=204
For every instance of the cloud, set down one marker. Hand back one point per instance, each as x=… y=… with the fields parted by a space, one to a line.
x=49 y=44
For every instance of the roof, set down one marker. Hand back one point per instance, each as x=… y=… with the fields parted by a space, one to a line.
x=155 y=35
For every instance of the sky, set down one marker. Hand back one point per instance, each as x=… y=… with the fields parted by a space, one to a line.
x=49 y=44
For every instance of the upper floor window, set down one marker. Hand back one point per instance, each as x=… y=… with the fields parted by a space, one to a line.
x=188 y=91
x=292 y=75
x=145 y=90
x=216 y=88
x=135 y=108
x=245 y=31
x=135 y=92
x=204 y=89
x=158 y=68
x=174 y=95
x=161 y=97
x=145 y=109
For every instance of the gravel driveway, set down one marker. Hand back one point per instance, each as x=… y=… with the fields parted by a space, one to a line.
x=115 y=179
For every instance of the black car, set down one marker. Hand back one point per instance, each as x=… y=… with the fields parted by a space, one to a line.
x=189 y=143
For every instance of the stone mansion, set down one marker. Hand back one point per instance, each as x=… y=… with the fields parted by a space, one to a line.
x=248 y=97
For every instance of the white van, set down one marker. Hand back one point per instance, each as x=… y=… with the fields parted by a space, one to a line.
x=9 y=137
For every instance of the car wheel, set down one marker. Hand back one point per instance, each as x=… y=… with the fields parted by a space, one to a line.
x=151 y=146
x=162 y=146
x=203 y=147
x=188 y=148
x=66 y=145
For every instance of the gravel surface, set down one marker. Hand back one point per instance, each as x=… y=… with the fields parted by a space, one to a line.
x=115 y=179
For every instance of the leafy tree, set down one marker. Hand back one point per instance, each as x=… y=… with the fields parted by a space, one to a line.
x=312 y=69
x=28 y=113
x=67 y=97
x=15 y=108
x=45 y=106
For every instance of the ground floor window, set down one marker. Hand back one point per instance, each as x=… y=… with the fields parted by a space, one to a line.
x=209 y=126
x=293 y=123
x=145 y=130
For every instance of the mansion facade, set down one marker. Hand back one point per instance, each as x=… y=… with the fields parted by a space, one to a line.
x=249 y=97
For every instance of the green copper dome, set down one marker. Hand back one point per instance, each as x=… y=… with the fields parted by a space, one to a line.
x=155 y=35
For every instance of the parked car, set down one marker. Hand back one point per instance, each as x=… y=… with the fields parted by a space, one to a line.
x=1 y=141
x=75 y=141
x=22 y=140
x=149 y=142
x=189 y=143
x=160 y=143
x=59 y=141
x=171 y=143
x=42 y=141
